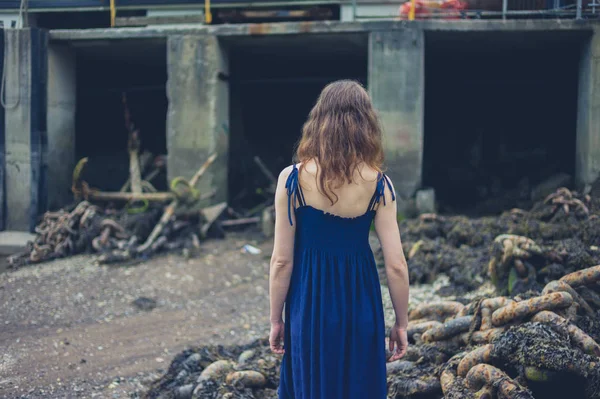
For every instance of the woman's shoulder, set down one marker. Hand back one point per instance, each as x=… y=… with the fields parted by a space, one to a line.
x=286 y=171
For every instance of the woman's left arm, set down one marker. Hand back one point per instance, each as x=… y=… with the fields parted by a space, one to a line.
x=281 y=262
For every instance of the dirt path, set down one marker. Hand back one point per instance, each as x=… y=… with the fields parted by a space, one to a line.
x=70 y=328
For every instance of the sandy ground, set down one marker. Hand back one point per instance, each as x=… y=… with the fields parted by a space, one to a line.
x=70 y=328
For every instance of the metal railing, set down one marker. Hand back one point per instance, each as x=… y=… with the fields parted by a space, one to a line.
x=574 y=11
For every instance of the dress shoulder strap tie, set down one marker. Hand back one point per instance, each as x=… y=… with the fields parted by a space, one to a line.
x=382 y=182
x=294 y=192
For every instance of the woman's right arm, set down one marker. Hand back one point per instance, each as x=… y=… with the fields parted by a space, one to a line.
x=396 y=269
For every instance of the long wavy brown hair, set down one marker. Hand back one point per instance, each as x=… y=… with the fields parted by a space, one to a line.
x=341 y=133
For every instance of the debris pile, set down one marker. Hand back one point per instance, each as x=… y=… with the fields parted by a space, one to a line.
x=560 y=234
x=246 y=372
x=120 y=234
x=537 y=337
x=138 y=220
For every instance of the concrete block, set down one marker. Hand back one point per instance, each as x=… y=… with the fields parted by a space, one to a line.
x=198 y=115
x=396 y=85
x=12 y=242
x=425 y=200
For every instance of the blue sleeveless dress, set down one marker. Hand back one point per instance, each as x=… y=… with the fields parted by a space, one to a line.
x=334 y=325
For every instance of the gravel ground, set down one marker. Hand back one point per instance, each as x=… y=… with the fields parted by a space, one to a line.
x=71 y=328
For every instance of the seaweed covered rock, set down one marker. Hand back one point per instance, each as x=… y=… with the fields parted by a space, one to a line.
x=244 y=372
x=538 y=348
x=562 y=233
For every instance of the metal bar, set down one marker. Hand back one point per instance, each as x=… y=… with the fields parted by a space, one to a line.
x=579 y=9
x=472 y=13
x=159 y=20
x=354 y=10
x=298 y=80
x=504 y=8
x=92 y=91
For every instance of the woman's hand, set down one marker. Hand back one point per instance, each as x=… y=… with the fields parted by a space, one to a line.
x=276 y=337
x=399 y=339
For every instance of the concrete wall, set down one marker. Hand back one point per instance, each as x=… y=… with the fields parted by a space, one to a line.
x=17 y=128
x=25 y=138
x=587 y=168
x=198 y=116
x=61 y=123
x=396 y=84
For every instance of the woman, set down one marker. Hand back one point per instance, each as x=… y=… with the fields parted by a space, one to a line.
x=322 y=266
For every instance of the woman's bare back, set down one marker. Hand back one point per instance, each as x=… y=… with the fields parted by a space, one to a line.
x=352 y=199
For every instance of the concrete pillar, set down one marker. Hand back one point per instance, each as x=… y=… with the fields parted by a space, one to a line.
x=198 y=116
x=396 y=85
x=61 y=123
x=2 y=143
x=587 y=167
x=25 y=126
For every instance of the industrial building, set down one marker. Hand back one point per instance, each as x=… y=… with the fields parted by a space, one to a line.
x=520 y=91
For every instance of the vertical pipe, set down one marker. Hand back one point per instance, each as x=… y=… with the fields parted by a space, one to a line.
x=579 y=9
x=354 y=10
x=411 y=13
x=113 y=13
x=505 y=8
x=207 y=13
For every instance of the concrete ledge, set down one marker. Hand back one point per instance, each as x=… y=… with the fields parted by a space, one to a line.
x=14 y=241
x=289 y=28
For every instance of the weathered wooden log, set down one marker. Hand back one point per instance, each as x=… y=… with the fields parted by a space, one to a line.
x=170 y=209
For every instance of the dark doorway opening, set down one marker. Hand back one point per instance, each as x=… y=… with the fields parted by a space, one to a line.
x=500 y=116
x=274 y=82
x=106 y=70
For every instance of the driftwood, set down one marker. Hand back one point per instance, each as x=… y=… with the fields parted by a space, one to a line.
x=210 y=215
x=97 y=195
x=240 y=222
x=145 y=160
x=267 y=173
x=170 y=209
x=133 y=147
